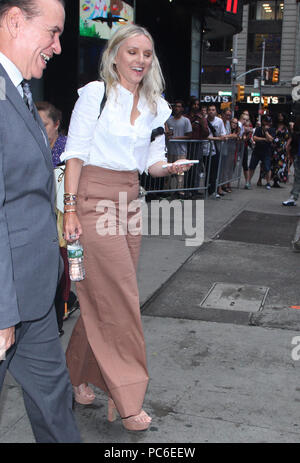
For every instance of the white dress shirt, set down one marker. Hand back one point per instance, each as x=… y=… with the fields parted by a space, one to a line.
x=13 y=72
x=111 y=141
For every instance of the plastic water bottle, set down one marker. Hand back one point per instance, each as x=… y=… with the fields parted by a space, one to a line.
x=75 y=258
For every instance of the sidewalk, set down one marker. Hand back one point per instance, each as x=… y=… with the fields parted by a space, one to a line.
x=216 y=375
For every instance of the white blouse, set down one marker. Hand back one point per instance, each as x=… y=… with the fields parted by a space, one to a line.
x=112 y=141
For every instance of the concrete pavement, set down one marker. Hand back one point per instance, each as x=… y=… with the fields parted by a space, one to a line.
x=216 y=375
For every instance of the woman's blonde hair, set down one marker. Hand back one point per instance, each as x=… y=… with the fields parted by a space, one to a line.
x=152 y=84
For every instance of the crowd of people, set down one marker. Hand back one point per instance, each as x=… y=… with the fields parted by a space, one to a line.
x=267 y=141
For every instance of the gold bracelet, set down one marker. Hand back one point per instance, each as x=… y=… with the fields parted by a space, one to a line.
x=69 y=210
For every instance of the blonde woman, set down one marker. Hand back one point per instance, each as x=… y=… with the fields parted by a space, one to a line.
x=104 y=156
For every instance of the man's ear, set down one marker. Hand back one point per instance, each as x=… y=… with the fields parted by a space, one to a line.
x=14 y=19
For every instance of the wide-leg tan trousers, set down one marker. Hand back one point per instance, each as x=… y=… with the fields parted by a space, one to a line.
x=107 y=345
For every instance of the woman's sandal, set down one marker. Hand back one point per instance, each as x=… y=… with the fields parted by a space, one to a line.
x=83 y=394
x=227 y=189
x=140 y=422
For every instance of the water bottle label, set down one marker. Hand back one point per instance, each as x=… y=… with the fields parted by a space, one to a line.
x=75 y=253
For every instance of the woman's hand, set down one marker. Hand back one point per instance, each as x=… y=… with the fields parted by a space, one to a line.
x=157 y=170
x=72 y=227
x=177 y=168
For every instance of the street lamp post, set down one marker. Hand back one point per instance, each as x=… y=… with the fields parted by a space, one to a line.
x=233 y=71
x=261 y=78
x=200 y=57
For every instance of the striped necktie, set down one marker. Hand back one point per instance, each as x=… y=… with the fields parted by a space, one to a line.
x=27 y=96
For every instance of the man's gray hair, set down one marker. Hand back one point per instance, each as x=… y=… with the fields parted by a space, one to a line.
x=29 y=7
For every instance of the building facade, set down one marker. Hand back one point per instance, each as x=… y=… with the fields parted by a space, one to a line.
x=277 y=23
x=181 y=29
x=170 y=23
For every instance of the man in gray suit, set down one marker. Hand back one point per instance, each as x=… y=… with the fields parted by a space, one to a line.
x=29 y=265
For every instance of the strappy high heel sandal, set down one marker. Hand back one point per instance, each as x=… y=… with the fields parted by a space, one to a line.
x=112 y=412
x=83 y=394
x=140 y=422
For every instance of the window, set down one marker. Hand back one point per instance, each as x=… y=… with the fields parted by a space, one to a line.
x=216 y=74
x=223 y=44
x=216 y=45
x=268 y=10
x=273 y=43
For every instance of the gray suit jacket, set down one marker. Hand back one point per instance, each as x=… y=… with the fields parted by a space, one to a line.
x=29 y=252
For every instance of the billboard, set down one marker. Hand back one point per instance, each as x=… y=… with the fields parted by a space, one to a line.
x=101 y=18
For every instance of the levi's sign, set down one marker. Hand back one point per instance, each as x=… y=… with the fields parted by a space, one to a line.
x=215 y=99
x=255 y=99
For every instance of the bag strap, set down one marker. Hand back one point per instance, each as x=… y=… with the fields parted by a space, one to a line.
x=104 y=99
x=212 y=128
x=155 y=132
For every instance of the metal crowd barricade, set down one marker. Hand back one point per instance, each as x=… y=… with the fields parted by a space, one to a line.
x=230 y=162
x=196 y=179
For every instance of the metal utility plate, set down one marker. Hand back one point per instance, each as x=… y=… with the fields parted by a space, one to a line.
x=241 y=297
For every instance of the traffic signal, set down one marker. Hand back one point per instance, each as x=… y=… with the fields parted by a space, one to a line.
x=275 y=77
x=240 y=92
x=265 y=102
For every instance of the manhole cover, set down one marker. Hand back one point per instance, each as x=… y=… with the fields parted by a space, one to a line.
x=227 y=296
